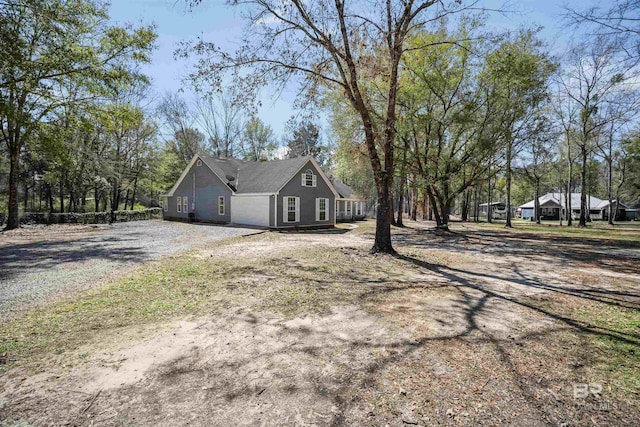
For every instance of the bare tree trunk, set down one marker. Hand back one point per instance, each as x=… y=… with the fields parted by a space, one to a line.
x=560 y=213
x=508 y=176
x=536 y=203
x=425 y=207
x=26 y=198
x=569 y=189
x=610 y=184
x=400 y=202
x=133 y=194
x=489 y=210
x=583 y=188
x=13 y=221
x=414 y=201
x=465 y=205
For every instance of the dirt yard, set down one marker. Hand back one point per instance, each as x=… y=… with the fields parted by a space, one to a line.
x=478 y=326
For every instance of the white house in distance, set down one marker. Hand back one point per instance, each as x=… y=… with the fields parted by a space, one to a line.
x=552 y=204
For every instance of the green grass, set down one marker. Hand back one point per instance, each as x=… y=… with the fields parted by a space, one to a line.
x=625 y=231
x=617 y=357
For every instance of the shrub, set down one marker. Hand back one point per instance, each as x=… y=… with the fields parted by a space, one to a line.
x=89 y=217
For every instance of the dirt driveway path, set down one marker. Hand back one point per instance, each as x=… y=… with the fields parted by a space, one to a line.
x=37 y=263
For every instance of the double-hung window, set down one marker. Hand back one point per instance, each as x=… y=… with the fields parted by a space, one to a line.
x=359 y=208
x=309 y=178
x=179 y=204
x=220 y=205
x=348 y=208
x=185 y=204
x=322 y=209
x=291 y=209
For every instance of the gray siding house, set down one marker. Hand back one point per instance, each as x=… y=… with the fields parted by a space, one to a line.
x=288 y=193
x=349 y=204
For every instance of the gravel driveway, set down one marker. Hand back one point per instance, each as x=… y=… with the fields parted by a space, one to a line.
x=36 y=269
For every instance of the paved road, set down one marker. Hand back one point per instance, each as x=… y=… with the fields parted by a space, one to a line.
x=34 y=271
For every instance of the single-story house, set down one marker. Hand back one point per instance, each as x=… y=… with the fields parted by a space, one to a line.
x=349 y=205
x=287 y=193
x=553 y=204
x=498 y=210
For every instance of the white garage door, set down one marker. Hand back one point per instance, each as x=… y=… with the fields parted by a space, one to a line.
x=250 y=210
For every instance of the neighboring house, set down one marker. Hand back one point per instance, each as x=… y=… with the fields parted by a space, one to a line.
x=277 y=194
x=553 y=204
x=349 y=205
x=498 y=210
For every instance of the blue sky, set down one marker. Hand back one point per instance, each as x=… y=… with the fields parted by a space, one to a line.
x=218 y=22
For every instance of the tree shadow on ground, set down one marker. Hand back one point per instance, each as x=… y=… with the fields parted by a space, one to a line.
x=39 y=256
x=621 y=255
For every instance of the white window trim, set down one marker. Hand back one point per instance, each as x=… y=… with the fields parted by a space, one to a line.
x=221 y=204
x=326 y=210
x=285 y=209
x=359 y=208
x=348 y=208
x=185 y=204
x=179 y=204
x=314 y=178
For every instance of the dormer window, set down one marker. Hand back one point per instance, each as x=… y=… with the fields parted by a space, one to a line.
x=308 y=178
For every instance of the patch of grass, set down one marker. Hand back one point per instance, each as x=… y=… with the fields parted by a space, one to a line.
x=628 y=232
x=299 y=281
x=175 y=287
x=609 y=344
x=619 y=350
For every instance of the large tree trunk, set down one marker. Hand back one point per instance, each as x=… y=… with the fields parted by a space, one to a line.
x=583 y=188
x=13 y=221
x=382 y=241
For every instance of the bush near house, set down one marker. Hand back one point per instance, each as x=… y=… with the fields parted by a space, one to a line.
x=89 y=217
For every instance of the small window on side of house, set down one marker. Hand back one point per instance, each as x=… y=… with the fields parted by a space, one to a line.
x=185 y=204
x=309 y=178
x=199 y=162
x=220 y=205
x=179 y=204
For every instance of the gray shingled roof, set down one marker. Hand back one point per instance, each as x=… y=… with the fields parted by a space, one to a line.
x=343 y=189
x=594 y=202
x=256 y=177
